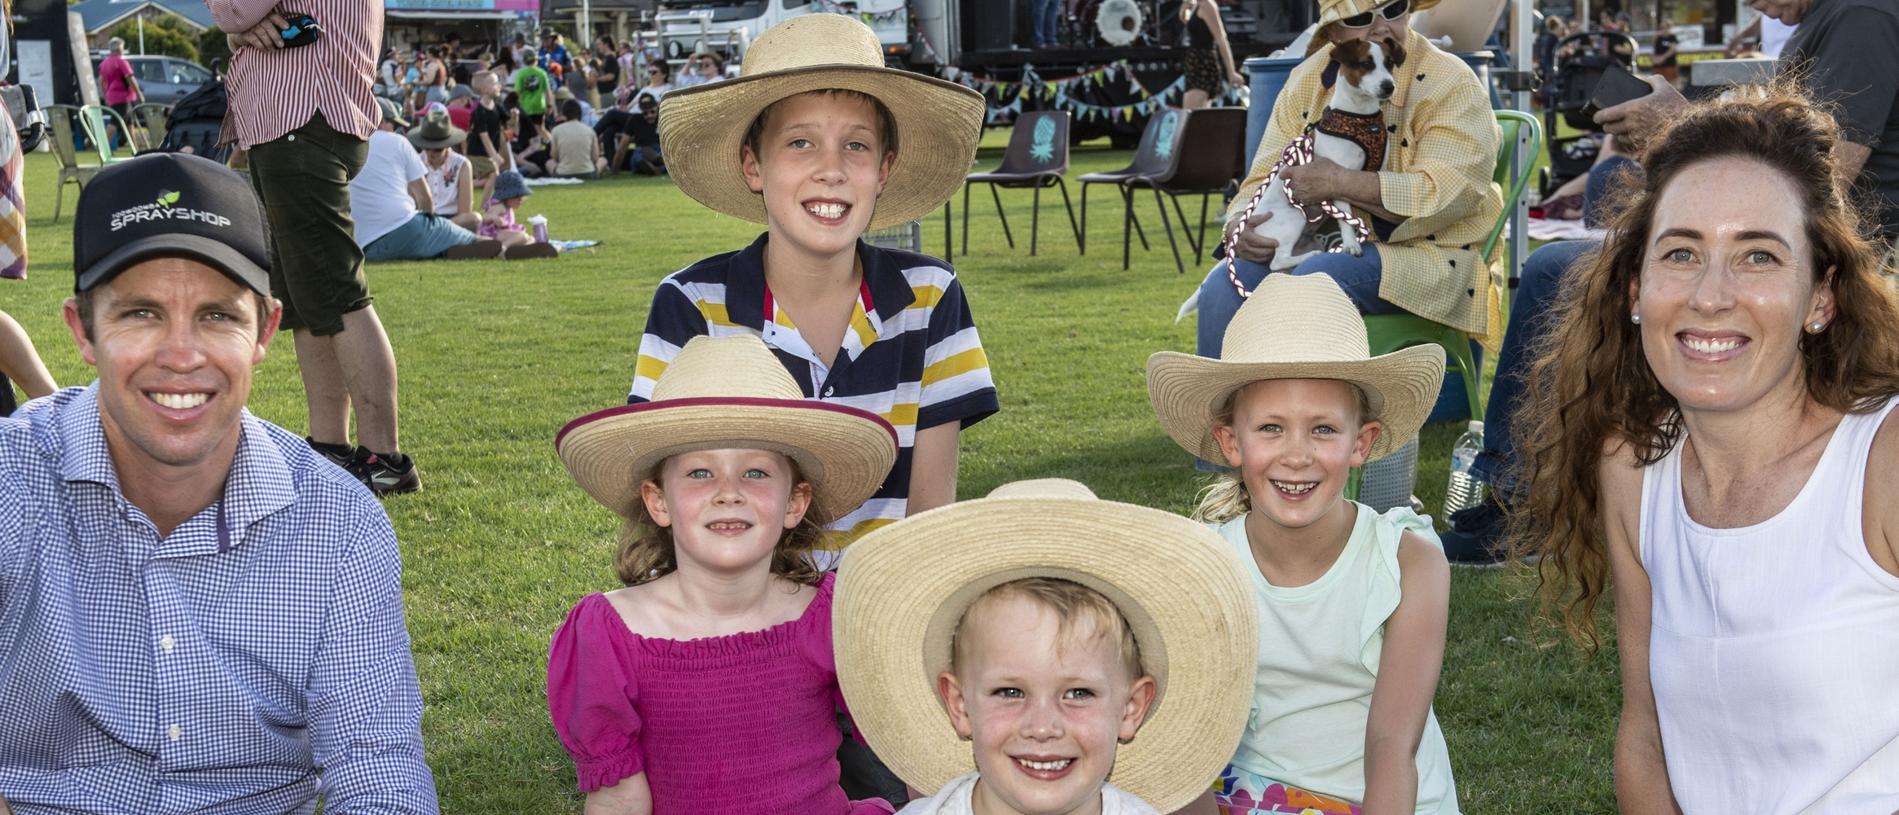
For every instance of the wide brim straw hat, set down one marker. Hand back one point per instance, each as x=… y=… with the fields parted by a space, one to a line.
x=1332 y=11
x=729 y=393
x=1294 y=327
x=938 y=123
x=903 y=589
x=436 y=132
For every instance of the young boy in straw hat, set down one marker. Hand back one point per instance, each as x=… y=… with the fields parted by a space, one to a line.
x=1066 y=638
x=818 y=141
x=1295 y=402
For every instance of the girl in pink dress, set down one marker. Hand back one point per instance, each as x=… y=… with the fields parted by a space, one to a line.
x=706 y=684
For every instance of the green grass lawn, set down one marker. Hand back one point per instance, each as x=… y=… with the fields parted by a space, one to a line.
x=496 y=356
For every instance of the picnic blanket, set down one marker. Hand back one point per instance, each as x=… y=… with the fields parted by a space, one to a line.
x=569 y=246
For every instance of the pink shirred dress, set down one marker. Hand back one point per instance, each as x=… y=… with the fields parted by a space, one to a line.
x=493 y=229
x=744 y=723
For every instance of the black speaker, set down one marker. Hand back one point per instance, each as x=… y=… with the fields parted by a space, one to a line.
x=990 y=25
x=46 y=20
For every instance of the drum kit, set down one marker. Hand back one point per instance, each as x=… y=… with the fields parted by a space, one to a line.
x=1111 y=23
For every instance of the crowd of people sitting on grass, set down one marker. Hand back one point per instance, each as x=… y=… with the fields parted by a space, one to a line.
x=204 y=611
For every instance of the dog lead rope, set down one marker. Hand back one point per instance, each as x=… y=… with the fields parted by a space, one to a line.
x=1297 y=153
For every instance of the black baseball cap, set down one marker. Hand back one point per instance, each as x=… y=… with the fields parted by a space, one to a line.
x=170 y=205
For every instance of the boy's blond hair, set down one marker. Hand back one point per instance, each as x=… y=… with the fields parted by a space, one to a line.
x=1070 y=601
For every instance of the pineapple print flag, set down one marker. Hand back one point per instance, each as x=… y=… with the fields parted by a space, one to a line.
x=12 y=201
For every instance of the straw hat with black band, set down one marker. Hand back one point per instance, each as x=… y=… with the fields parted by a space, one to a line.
x=938 y=123
x=727 y=393
x=902 y=590
x=1294 y=327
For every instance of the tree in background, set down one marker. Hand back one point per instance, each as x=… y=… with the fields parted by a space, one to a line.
x=164 y=34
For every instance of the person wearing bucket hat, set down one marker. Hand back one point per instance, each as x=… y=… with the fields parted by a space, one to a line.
x=449 y=176
x=1428 y=200
x=1008 y=654
x=707 y=684
x=497 y=220
x=819 y=141
x=171 y=562
x=1292 y=405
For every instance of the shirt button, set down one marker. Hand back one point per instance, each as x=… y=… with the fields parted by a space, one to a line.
x=291 y=137
x=175 y=732
x=828 y=391
x=166 y=642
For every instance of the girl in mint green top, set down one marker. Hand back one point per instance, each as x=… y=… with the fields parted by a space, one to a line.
x=1352 y=604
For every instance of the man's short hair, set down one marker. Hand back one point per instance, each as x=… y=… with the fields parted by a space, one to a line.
x=570 y=110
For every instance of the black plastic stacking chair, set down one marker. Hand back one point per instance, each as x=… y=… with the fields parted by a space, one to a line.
x=1037 y=157
x=1208 y=159
x=1150 y=158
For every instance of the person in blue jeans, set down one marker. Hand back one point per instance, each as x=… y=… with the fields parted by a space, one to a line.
x=1047 y=19
x=1475 y=536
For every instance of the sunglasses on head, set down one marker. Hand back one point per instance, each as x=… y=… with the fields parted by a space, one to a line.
x=1390 y=11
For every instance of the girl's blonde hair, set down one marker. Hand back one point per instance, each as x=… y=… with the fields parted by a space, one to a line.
x=1226 y=498
x=645 y=550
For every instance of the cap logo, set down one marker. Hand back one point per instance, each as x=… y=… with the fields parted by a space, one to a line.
x=164 y=208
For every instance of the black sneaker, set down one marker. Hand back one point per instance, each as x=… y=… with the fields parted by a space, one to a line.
x=385 y=477
x=341 y=455
x=1476 y=535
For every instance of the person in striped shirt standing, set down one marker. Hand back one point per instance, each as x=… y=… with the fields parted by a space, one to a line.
x=305 y=114
x=809 y=149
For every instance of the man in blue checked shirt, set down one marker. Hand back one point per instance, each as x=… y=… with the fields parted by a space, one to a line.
x=198 y=613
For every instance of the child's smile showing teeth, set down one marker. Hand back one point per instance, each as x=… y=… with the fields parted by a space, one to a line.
x=827 y=211
x=1294 y=487
x=729 y=527
x=1045 y=769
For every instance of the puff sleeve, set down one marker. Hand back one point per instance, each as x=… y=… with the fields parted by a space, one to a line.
x=591 y=695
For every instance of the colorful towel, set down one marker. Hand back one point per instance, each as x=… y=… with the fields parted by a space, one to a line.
x=1239 y=792
x=12 y=201
x=569 y=246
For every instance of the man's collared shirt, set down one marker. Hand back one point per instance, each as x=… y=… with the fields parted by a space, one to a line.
x=232 y=666
x=275 y=91
x=910 y=355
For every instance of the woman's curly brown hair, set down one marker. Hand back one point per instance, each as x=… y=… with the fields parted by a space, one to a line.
x=1590 y=384
x=646 y=549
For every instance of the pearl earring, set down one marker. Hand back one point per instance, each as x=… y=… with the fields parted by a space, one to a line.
x=1815 y=326
x=1636 y=318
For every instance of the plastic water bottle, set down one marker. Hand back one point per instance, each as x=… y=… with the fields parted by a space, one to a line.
x=539 y=222
x=1464 y=490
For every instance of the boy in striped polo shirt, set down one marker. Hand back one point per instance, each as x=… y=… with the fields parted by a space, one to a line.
x=806 y=141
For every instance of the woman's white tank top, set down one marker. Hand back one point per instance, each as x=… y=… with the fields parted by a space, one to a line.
x=1774 y=648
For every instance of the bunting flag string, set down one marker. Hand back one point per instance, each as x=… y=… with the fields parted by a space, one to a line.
x=1007 y=98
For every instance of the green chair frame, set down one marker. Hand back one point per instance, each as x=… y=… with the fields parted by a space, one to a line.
x=59 y=119
x=95 y=118
x=154 y=117
x=1392 y=332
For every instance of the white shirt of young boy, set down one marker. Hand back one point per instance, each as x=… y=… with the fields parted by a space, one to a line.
x=954 y=799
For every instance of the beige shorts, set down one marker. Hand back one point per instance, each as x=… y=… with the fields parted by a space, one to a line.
x=484 y=167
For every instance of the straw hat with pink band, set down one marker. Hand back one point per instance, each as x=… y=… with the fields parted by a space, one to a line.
x=724 y=393
x=902 y=591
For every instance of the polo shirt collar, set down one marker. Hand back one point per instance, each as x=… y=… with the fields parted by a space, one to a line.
x=258 y=484
x=890 y=291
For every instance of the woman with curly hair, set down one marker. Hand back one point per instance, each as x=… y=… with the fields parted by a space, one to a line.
x=1707 y=433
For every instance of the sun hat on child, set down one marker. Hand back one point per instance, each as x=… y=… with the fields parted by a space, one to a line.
x=1294 y=327
x=902 y=589
x=938 y=122
x=510 y=184
x=724 y=393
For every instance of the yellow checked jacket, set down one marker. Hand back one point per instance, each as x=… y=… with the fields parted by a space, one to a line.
x=1440 y=154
